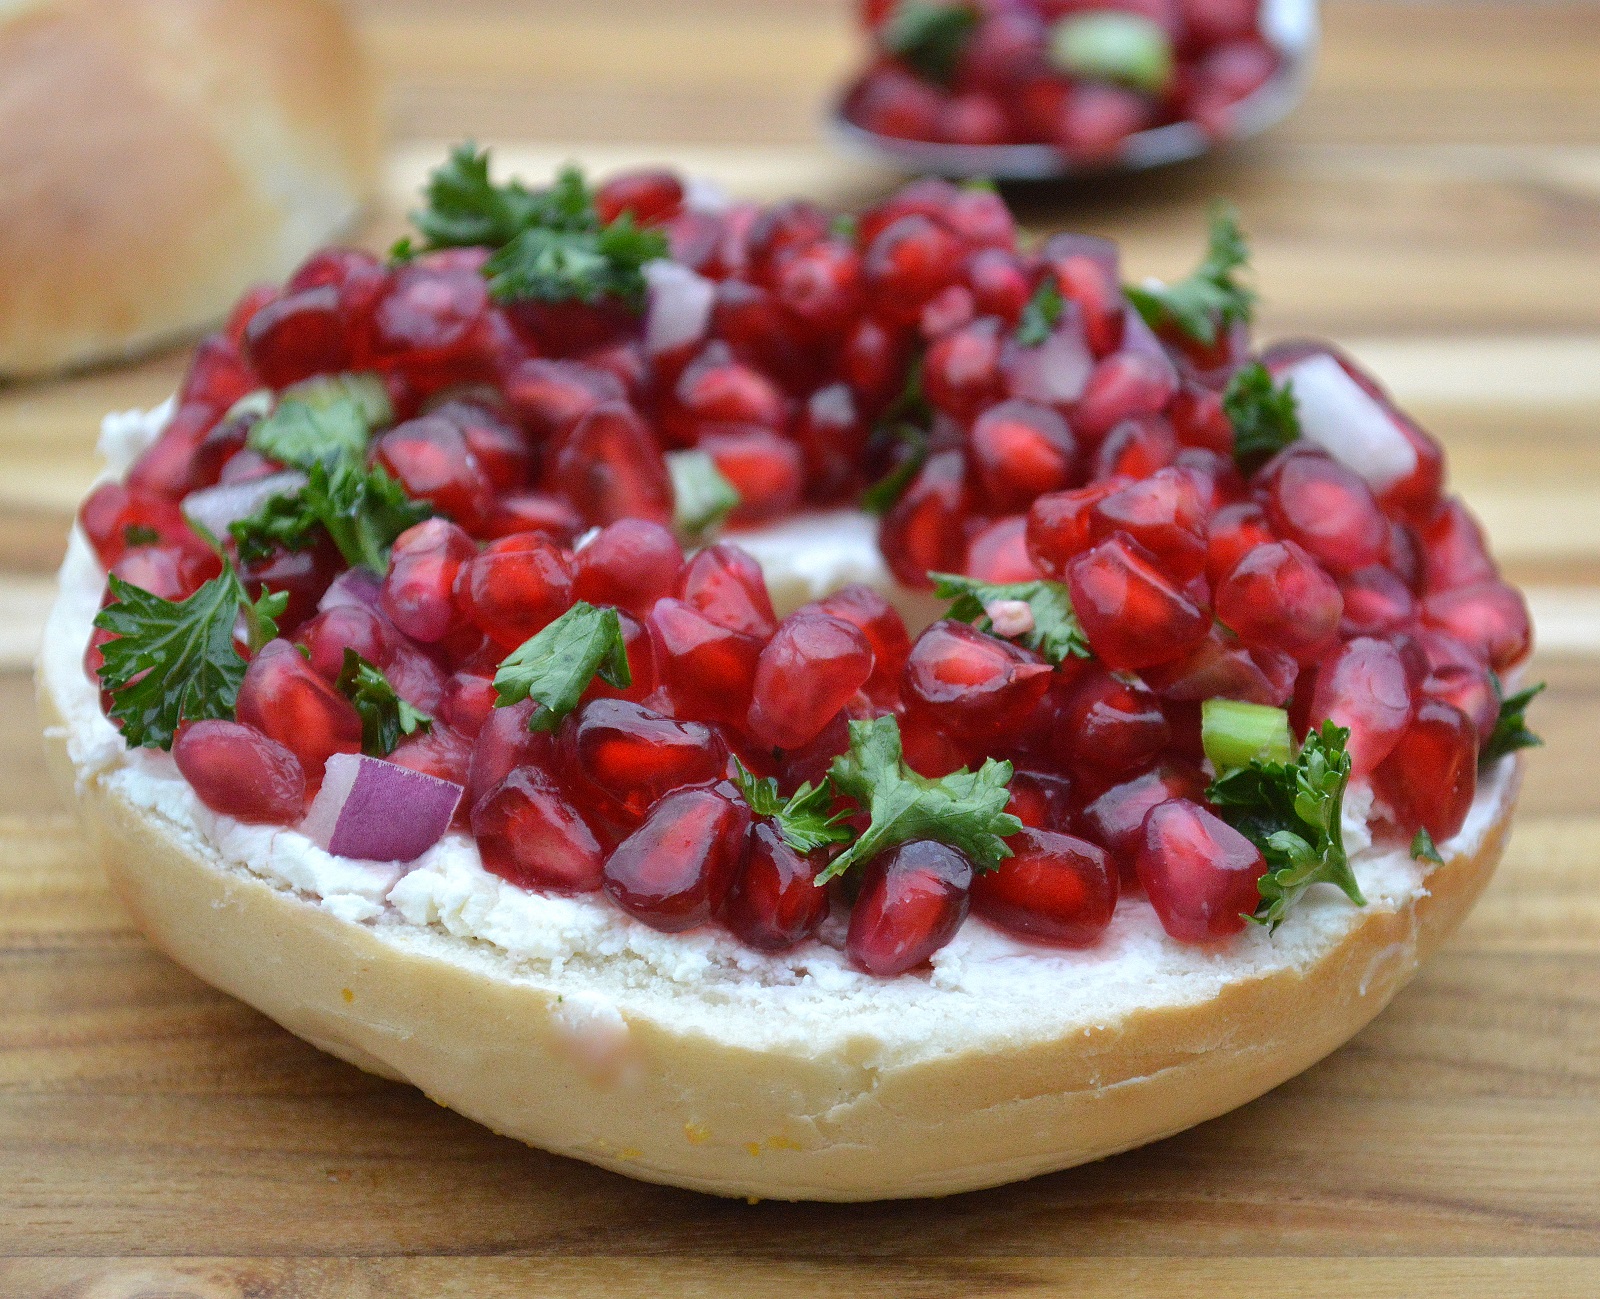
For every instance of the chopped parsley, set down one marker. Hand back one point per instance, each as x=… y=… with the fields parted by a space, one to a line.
x=555 y=666
x=1055 y=633
x=386 y=718
x=1209 y=299
x=805 y=819
x=1423 y=848
x=1511 y=726
x=1263 y=415
x=1041 y=314
x=928 y=37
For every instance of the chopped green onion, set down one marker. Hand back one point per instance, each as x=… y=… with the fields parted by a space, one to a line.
x=1110 y=45
x=1234 y=733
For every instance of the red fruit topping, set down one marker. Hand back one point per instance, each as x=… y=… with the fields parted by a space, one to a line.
x=1277 y=597
x=431 y=459
x=1041 y=799
x=428 y=315
x=622 y=757
x=1165 y=513
x=418 y=590
x=1053 y=889
x=236 y=770
x=1199 y=872
x=1115 y=820
x=500 y=448
x=913 y=899
x=1328 y=509
x=999 y=283
x=999 y=553
x=631 y=564
x=1123 y=386
x=345 y=626
x=716 y=390
x=1220 y=667
x=467 y=702
x=674 y=871
x=1491 y=617
x=1096 y=119
x=807 y=673
x=775 y=902
x=516 y=587
x=820 y=287
x=885 y=631
x=906 y=264
x=961 y=373
x=504 y=744
x=439 y=751
x=611 y=468
x=651 y=196
x=115 y=518
x=725 y=584
x=1059 y=526
x=1430 y=777
x=531 y=835
x=1235 y=530
x=297 y=336
x=830 y=436
x=708 y=670
x=1454 y=552
x=970 y=683
x=923 y=533
x=285 y=700
x=1375 y=601
x=550 y=397
x=532 y=512
x=1363 y=685
x=302 y=575
x=768 y=471
x=1110 y=727
x=1132 y=616
x=1021 y=450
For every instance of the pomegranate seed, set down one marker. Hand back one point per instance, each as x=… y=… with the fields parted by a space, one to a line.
x=949 y=309
x=1198 y=419
x=1220 y=667
x=430 y=458
x=726 y=585
x=345 y=626
x=288 y=702
x=807 y=673
x=550 y=397
x=961 y=373
x=641 y=665
x=531 y=835
x=1135 y=448
x=627 y=360
x=810 y=762
x=236 y=770
x=651 y=196
x=783 y=230
x=1123 y=386
x=115 y=518
x=302 y=575
x=913 y=899
x=1327 y=509
x=1375 y=601
x=1200 y=873
x=1278 y=597
x=630 y=564
x=297 y=336
x=1007 y=46
x=188 y=455
x=1164 y=513
x=611 y=468
x=775 y=903
x=440 y=751
x=999 y=552
x=999 y=283
x=1115 y=819
x=622 y=757
x=503 y=745
x=884 y=629
x=894 y=103
x=716 y=390
x=466 y=703
x=500 y=449
x=707 y=670
x=218 y=375
x=1053 y=889
x=1454 y=551
x=831 y=436
x=1110 y=727
x=1363 y=685
x=1132 y=616
x=971 y=683
x=928 y=750
x=516 y=587
x=428 y=315
x=906 y=264
x=674 y=871
x=873 y=360
x=516 y=512
x=172 y=572
x=1095 y=119
x=924 y=532
x=1021 y=450
x=1042 y=799
x=1491 y=617
x=423 y=566
x=1234 y=532
x=244 y=310
x=768 y=472
x=820 y=287
x=757 y=332
x=1430 y=777
x=1059 y=526
x=1092 y=283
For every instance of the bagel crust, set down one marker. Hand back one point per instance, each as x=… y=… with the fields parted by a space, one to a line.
x=687 y=1060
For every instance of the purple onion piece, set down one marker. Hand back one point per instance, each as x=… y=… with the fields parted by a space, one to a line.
x=379 y=811
x=1055 y=371
x=353 y=586
x=214 y=508
x=1105 y=251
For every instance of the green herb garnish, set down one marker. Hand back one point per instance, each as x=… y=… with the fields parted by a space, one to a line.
x=1209 y=299
x=929 y=37
x=555 y=666
x=1041 y=314
x=805 y=819
x=1263 y=416
x=1511 y=726
x=1423 y=849
x=1055 y=633
x=386 y=718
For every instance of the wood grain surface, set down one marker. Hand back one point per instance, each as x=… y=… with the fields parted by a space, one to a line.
x=1435 y=205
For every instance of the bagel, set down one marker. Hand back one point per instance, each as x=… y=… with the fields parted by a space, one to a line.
x=690 y=1060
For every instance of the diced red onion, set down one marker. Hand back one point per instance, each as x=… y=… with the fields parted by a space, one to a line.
x=1055 y=371
x=680 y=306
x=354 y=586
x=707 y=196
x=379 y=811
x=214 y=508
x=1139 y=338
x=1341 y=417
x=1067 y=244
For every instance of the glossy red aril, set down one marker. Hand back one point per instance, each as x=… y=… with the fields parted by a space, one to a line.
x=1375 y=602
x=783 y=230
x=830 y=435
x=1200 y=873
x=717 y=390
x=913 y=899
x=1165 y=513
x=515 y=512
x=897 y=104
x=297 y=336
x=906 y=264
x=1278 y=597
x=1135 y=448
x=758 y=332
x=884 y=629
x=238 y=771
x=1041 y=799
x=631 y=564
x=504 y=744
x=428 y=315
x=1458 y=676
x=1363 y=685
x=820 y=287
x=767 y=470
x=873 y=359
x=999 y=552
x=674 y=871
x=431 y=459
x=949 y=309
x=531 y=835
x=622 y=757
x=961 y=372
x=1233 y=532
x=708 y=670
x=1054 y=888
x=1490 y=617
x=515 y=587
x=641 y=664
x=999 y=283
x=726 y=585
x=466 y=703
x=1454 y=552
x=970 y=683
x=1095 y=119
x=1430 y=777
x=283 y=698
x=1020 y=450
x=1110 y=727
x=115 y=518
x=551 y=396
x=774 y=902
x=346 y=626
x=172 y=572
x=1132 y=615
x=418 y=590
x=1059 y=526
x=923 y=533
x=500 y=448
x=1123 y=386
x=610 y=467
x=650 y=195
x=439 y=751
x=1327 y=509
x=1115 y=819
x=807 y=672
x=1221 y=667
x=218 y=375
x=302 y=575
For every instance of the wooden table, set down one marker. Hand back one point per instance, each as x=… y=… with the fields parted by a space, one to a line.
x=1436 y=205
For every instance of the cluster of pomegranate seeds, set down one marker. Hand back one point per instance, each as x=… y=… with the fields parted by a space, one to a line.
x=1079 y=75
x=1144 y=534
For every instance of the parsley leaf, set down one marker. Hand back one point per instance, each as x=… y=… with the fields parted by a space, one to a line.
x=315 y=428
x=1211 y=297
x=1290 y=810
x=1264 y=416
x=1041 y=314
x=563 y=265
x=173 y=661
x=466 y=210
x=1511 y=726
x=1423 y=848
x=965 y=809
x=1055 y=632
x=385 y=716
x=554 y=667
x=702 y=498
x=805 y=819
x=363 y=510
x=929 y=37
x=907 y=422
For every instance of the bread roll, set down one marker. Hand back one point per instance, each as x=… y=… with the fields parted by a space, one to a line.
x=157 y=156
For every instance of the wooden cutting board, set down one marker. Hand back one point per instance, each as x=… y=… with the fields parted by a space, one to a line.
x=1435 y=205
